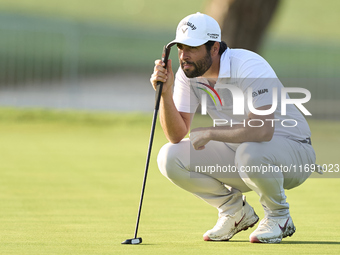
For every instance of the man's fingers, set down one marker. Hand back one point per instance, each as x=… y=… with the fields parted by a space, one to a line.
x=159 y=73
x=159 y=68
x=159 y=62
x=159 y=76
x=197 y=139
x=156 y=76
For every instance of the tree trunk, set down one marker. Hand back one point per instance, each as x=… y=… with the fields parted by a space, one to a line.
x=243 y=22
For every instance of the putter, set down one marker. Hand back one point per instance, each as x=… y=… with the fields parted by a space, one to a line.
x=135 y=240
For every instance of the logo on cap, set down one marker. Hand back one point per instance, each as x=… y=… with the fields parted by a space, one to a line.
x=213 y=36
x=183 y=30
x=189 y=24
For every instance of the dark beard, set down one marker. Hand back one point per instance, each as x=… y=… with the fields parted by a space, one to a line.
x=200 y=67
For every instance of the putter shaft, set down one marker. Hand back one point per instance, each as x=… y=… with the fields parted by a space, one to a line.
x=159 y=88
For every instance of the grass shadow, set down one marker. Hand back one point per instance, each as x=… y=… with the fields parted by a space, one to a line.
x=294 y=242
x=312 y=242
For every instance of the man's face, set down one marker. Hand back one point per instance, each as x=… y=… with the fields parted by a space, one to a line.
x=194 y=61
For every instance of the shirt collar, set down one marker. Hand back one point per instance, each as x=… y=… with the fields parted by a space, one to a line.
x=224 y=65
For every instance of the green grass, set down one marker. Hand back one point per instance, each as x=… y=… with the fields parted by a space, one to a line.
x=307 y=20
x=303 y=59
x=39 y=48
x=138 y=13
x=70 y=184
x=44 y=40
x=65 y=50
x=295 y=19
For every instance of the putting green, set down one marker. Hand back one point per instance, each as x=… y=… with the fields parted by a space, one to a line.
x=70 y=184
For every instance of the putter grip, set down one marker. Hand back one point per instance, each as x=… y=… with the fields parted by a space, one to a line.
x=159 y=88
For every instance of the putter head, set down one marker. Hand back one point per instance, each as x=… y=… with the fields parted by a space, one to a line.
x=133 y=241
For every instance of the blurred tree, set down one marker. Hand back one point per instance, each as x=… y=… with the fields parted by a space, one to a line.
x=243 y=22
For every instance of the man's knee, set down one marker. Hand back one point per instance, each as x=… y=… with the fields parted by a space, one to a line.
x=165 y=156
x=170 y=158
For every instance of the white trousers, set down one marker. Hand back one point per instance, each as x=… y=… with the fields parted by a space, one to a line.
x=223 y=189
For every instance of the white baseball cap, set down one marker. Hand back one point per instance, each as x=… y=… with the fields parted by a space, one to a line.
x=196 y=29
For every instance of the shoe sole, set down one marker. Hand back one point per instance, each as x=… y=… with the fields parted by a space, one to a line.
x=254 y=239
x=207 y=238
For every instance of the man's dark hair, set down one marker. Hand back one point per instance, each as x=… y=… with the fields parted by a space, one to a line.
x=223 y=46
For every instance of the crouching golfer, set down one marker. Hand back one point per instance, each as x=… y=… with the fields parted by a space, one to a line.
x=260 y=142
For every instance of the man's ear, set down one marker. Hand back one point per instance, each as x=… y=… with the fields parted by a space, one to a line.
x=215 y=49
